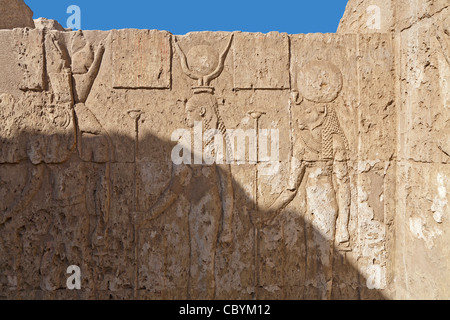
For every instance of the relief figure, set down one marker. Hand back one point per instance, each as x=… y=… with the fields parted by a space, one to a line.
x=207 y=187
x=76 y=196
x=318 y=173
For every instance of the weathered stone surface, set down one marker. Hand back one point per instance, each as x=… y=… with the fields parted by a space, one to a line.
x=423 y=193
x=362 y=16
x=47 y=24
x=409 y=13
x=268 y=65
x=141 y=59
x=13 y=76
x=422 y=228
x=15 y=14
x=382 y=16
x=108 y=162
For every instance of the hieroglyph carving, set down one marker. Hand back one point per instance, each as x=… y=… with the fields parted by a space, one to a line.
x=65 y=125
x=208 y=187
x=72 y=76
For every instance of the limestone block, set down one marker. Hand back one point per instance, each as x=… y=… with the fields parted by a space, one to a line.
x=13 y=75
x=363 y=16
x=48 y=24
x=424 y=213
x=30 y=55
x=377 y=110
x=422 y=148
x=373 y=187
x=142 y=59
x=268 y=65
x=424 y=91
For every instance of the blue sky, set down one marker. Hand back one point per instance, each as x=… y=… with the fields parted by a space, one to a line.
x=182 y=16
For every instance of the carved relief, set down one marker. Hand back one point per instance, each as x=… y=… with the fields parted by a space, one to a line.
x=319 y=173
x=204 y=64
x=208 y=188
x=58 y=68
x=72 y=78
x=78 y=191
x=321 y=229
x=94 y=143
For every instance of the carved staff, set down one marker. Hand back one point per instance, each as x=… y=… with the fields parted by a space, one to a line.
x=136 y=116
x=256 y=115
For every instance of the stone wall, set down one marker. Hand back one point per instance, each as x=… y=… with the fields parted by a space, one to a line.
x=422 y=43
x=349 y=202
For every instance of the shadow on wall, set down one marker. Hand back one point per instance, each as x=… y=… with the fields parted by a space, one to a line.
x=67 y=201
